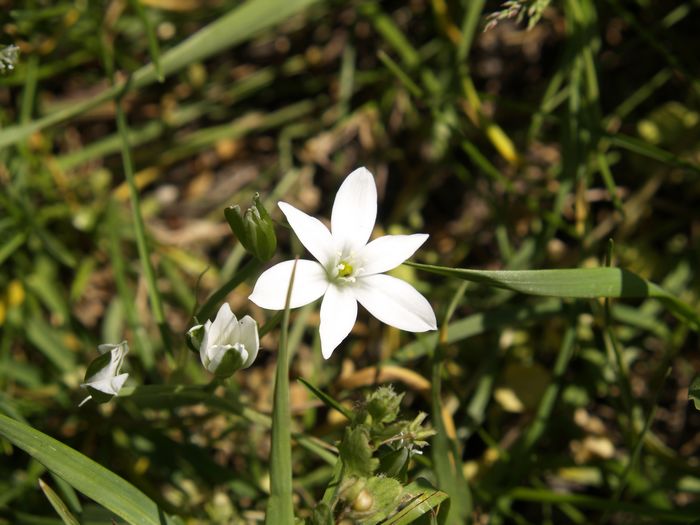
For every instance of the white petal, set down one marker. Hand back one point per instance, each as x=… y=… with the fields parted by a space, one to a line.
x=110 y=385
x=118 y=382
x=249 y=339
x=205 y=344
x=386 y=253
x=310 y=283
x=338 y=315
x=354 y=211
x=312 y=233
x=106 y=347
x=395 y=302
x=224 y=329
x=205 y=341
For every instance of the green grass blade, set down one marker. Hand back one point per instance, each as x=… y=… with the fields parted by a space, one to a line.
x=280 y=507
x=445 y=451
x=87 y=476
x=544 y=411
x=480 y=323
x=233 y=28
x=581 y=283
x=650 y=151
x=58 y=505
x=153 y=47
x=593 y=502
x=327 y=400
x=49 y=342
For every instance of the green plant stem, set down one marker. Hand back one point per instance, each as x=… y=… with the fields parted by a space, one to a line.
x=445 y=453
x=140 y=230
x=280 y=508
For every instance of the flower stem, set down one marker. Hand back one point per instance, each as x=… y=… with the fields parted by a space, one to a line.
x=280 y=508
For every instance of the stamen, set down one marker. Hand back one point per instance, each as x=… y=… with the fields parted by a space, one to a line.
x=345 y=269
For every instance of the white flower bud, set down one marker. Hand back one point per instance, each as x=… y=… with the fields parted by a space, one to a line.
x=227 y=344
x=102 y=378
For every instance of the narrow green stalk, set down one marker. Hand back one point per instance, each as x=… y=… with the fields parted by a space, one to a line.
x=153 y=47
x=280 y=508
x=445 y=453
x=145 y=348
x=140 y=229
x=134 y=197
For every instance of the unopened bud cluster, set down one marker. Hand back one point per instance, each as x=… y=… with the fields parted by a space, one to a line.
x=254 y=229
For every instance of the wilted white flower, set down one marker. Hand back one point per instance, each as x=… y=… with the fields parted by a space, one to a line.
x=102 y=378
x=8 y=58
x=226 y=345
x=349 y=269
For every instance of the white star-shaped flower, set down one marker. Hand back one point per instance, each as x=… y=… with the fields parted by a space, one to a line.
x=349 y=269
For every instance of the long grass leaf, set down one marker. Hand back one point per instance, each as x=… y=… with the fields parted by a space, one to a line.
x=581 y=283
x=87 y=476
x=58 y=505
x=280 y=507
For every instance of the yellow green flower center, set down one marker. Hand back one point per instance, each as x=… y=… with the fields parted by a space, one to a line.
x=345 y=269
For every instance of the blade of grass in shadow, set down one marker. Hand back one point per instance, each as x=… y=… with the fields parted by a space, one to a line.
x=650 y=151
x=480 y=323
x=280 y=507
x=598 y=503
x=613 y=348
x=609 y=181
x=144 y=346
x=69 y=496
x=153 y=48
x=87 y=476
x=140 y=231
x=233 y=28
x=325 y=398
x=58 y=505
x=581 y=283
x=522 y=452
x=447 y=459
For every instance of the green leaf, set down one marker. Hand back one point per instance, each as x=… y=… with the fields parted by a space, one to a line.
x=356 y=453
x=58 y=505
x=87 y=476
x=694 y=392
x=583 y=283
x=280 y=507
x=423 y=499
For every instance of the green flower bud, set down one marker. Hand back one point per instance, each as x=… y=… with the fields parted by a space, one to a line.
x=194 y=337
x=383 y=405
x=254 y=229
